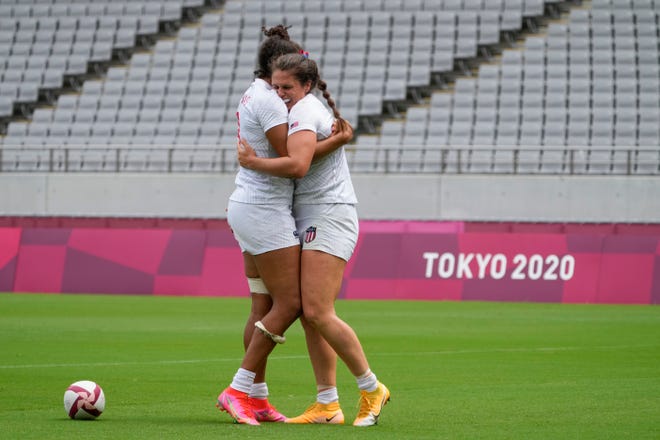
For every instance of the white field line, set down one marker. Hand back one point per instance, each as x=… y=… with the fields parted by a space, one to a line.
x=295 y=357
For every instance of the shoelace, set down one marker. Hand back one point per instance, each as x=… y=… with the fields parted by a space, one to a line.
x=310 y=407
x=364 y=404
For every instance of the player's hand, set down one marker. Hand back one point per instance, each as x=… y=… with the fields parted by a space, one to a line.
x=346 y=134
x=245 y=154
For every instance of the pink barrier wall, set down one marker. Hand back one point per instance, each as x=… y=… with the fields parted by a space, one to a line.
x=393 y=260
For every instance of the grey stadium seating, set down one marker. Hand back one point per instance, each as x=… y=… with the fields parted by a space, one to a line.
x=563 y=101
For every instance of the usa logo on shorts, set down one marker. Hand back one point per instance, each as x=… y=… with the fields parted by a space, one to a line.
x=310 y=234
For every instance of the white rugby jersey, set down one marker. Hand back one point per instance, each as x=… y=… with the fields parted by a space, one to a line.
x=328 y=179
x=260 y=109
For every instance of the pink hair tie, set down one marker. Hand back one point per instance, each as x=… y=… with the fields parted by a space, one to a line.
x=304 y=53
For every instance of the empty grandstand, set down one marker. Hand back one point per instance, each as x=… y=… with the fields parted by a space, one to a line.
x=433 y=86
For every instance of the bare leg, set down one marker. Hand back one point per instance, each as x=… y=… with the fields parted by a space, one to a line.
x=328 y=337
x=322 y=357
x=326 y=409
x=280 y=272
x=261 y=305
x=321 y=279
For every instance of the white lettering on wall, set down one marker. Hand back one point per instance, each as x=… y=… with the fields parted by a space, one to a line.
x=467 y=266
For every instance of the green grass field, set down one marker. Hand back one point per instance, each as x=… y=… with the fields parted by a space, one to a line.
x=463 y=370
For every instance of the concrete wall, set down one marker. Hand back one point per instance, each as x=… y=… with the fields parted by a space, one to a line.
x=512 y=198
x=393 y=196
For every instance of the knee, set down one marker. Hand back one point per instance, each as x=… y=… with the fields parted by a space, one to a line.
x=261 y=305
x=294 y=313
x=313 y=317
x=307 y=325
x=290 y=309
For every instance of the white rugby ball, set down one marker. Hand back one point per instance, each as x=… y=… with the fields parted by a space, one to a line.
x=84 y=400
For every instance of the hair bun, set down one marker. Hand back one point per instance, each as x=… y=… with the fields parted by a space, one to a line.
x=280 y=31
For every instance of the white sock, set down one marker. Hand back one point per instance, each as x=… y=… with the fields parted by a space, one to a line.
x=259 y=390
x=367 y=382
x=243 y=380
x=328 y=395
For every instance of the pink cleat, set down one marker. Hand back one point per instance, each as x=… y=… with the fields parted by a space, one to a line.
x=237 y=404
x=265 y=412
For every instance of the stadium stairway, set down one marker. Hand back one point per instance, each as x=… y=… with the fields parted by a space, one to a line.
x=560 y=124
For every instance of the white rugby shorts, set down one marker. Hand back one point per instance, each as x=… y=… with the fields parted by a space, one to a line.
x=331 y=228
x=262 y=228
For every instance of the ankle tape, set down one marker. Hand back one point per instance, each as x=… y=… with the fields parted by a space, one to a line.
x=276 y=338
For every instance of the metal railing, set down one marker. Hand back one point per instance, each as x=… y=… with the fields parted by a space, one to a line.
x=361 y=159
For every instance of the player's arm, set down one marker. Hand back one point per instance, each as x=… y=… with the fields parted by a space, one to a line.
x=295 y=164
x=337 y=139
x=277 y=138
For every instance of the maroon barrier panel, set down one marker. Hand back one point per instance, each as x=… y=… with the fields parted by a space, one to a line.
x=393 y=260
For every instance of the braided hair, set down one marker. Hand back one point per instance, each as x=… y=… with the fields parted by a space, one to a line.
x=306 y=71
x=277 y=43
